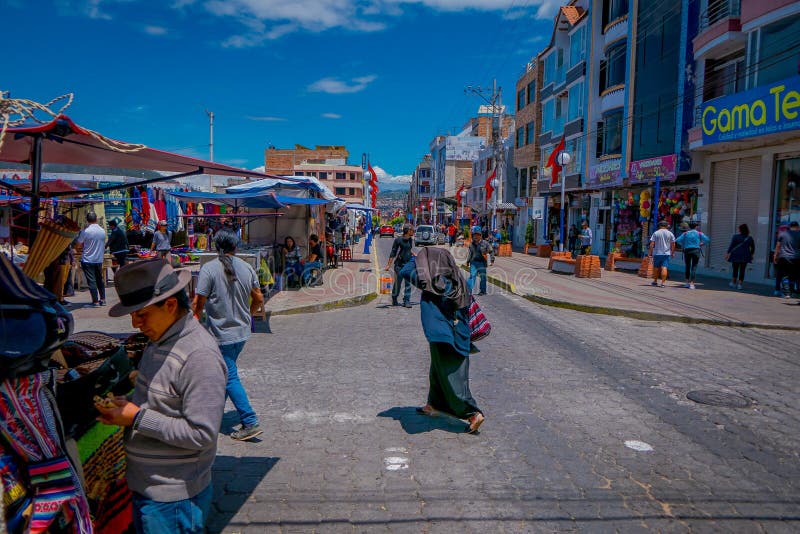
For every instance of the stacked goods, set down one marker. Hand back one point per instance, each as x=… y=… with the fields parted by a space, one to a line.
x=51 y=241
x=556 y=255
x=646 y=269
x=544 y=251
x=587 y=266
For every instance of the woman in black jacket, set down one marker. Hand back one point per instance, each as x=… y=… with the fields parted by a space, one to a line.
x=740 y=253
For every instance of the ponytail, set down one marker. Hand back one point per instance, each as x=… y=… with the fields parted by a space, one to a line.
x=226 y=241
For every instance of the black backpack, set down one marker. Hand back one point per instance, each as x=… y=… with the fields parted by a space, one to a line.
x=32 y=323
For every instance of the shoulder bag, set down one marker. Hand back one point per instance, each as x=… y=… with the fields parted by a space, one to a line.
x=479 y=326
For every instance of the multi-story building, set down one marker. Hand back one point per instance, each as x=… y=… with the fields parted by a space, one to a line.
x=326 y=163
x=526 y=145
x=451 y=162
x=562 y=96
x=420 y=192
x=745 y=140
x=499 y=210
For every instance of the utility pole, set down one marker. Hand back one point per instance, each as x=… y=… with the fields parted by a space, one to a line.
x=495 y=101
x=210 y=145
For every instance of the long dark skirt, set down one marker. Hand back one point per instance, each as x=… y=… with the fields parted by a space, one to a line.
x=449 y=382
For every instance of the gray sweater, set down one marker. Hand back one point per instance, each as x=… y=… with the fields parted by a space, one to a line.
x=181 y=391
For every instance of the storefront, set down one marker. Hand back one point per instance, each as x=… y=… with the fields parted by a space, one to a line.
x=606 y=202
x=751 y=172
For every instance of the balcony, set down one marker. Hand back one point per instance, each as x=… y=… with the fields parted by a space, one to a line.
x=612 y=98
x=720 y=30
x=615 y=30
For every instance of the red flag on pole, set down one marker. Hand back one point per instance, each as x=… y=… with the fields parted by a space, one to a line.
x=553 y=165
x=488 y=185
x=373 y=183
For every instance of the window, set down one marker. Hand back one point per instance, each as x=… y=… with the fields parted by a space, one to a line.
x=613 y=67
x=548 y=114
x=724 y=76
x=341 y=176
x=614 y=9
x=351 y=191
x=520 y=99
x=340 y=190
x=779 y=55
x=575 y=102
x=612 y=133
x=352 y=176
x=576 y=46
x=560 y=115
x=531 y=92
x=530 y=132
x=522 y=184
x=323 y=175
x=520 y=137
x=549 y=69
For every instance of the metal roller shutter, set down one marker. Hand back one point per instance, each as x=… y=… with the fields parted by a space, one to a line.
x=748 y=193
x=722 y=216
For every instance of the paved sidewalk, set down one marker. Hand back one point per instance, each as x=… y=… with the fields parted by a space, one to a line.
x=352 y=283
x=624 y=293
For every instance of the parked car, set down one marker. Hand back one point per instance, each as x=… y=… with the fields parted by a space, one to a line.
x=425 y=235
x=386 y=231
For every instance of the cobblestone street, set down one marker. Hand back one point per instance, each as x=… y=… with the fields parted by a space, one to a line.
x=344 y=450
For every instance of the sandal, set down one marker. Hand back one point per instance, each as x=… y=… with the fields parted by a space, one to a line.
x=475 y=422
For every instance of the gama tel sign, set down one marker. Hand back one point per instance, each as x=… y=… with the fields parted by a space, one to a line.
x=766 y=109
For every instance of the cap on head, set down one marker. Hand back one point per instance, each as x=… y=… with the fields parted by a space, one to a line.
x=663 y=224
x=147 y=282
x=794 y=224
x=113 y=222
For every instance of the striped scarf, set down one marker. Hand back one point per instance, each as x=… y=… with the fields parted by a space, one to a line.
x=28 y=424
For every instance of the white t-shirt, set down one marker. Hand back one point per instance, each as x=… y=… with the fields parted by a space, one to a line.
x=663 y=240
x=94 y=243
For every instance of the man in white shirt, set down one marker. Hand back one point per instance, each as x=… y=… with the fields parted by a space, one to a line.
x=662 y=248
x=586 y=238
x=93 y=238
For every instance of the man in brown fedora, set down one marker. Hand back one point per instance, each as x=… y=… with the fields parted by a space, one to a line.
x=173 y=418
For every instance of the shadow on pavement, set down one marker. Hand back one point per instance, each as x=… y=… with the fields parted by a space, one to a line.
x=416 y=423
x=234 y=479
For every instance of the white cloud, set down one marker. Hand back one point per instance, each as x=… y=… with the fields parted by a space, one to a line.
x=335 y=86
x=280 y=17
x=331 y=116
x=260 y=168
x=385 y=177
x=266 y=118
x=155 y=30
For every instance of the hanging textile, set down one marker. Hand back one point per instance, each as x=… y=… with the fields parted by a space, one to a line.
x=28 y=425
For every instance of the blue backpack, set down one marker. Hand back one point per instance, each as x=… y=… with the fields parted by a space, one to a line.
x=32 y=323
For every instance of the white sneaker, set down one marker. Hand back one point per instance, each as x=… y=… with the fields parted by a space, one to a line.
x=732 y=285
x=691 y=286
x=739 y=286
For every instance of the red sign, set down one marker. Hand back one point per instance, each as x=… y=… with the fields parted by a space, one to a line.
x=647 y=170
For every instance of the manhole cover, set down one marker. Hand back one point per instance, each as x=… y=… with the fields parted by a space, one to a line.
x=718 y=398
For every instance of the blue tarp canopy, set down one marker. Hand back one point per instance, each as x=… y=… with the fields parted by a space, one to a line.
x=360 y=207
x=290 y=201
x=238 y=200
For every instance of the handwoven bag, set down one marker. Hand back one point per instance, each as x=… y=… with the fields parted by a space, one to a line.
x=479 y=326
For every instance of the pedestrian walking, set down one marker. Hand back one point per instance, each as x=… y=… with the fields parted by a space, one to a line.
x=477 y=260
x=444 y=310
x=740 y=253
x=229 y=292
x=93 y=238
x=573 y=237
x=118 y=243
x=173 y=417
x=586 y=238
x=787 y=258
x=691 y=242
x=162 y=241
x=451 y=234
x=402 y=252
x=662 y=248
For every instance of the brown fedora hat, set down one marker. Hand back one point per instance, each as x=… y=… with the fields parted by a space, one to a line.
x=142 y=283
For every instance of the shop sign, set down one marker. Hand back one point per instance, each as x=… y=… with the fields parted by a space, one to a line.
x=537 y=208
x=605 y=174
x=762 y=110
x=521 y=202
x=647 y=170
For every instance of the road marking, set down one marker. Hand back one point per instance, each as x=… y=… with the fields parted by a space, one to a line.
x=396 y=463
x=640 y=446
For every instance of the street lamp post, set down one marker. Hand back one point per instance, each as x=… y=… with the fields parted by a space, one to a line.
x=495 y=185
x=461 y=200
x=563 y=158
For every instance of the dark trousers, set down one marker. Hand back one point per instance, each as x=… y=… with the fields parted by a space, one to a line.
x=691 y=257
x=786 y=269
x=738 y=270
x=95 y=280
x=449 y=382
x=121 y=257
x=400 y=280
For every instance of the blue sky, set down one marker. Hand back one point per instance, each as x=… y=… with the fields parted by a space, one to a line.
x=379 y=76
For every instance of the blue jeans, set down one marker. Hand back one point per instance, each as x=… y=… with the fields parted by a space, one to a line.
x=402 y=276
x=186 y=516
x=476 y=270
x=308 y=267
x=234 y=388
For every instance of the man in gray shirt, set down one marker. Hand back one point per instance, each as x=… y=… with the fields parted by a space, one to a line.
x=787 y=258
x=162 y=241
x=228 y=290
x=173 y=417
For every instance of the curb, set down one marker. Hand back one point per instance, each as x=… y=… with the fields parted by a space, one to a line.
x=633 y=314
x=348 y=302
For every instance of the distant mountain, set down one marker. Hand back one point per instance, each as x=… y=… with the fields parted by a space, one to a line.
x=392 y=195
x=393 y=186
